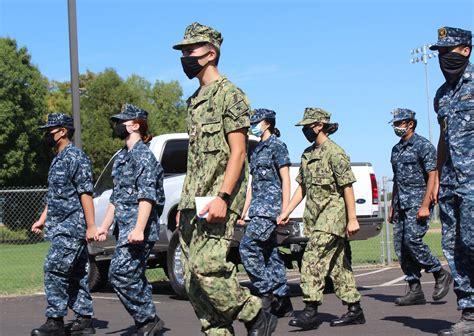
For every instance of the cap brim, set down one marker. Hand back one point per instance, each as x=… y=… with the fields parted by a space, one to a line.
x=120 y=116
x=186 y=42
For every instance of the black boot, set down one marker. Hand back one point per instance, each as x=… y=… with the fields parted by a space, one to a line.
x=414 y=296
x=150 y=328
x=82 y=325
x=282 y=307
x=443 y=280
x=354 y=315
x=267 y=301
x=465 y=326
x=308 y=318
x=264 y=324
x=52 y=327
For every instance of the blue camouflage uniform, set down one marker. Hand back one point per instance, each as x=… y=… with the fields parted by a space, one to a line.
x=137 y=175
x=258 y=247
x=65 y=267
x=454 y=106
x=412 y=160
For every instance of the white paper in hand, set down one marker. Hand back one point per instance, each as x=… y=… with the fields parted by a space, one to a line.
x=201 y=203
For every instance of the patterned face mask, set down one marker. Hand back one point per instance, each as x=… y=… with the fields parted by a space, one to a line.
x=400 y=131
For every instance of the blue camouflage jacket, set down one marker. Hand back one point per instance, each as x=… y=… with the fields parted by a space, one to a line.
x=137 y=175
x=70 y=175
x=455 y=109
x=412 y=160
x=265 y=162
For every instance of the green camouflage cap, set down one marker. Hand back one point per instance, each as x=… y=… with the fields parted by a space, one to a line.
x=198 y=33
x=314 y=114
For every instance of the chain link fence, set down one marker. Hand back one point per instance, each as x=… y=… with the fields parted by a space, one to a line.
x=21 y=251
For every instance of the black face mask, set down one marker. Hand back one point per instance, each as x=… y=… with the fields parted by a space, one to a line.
x=120 y=131
x=453 y=65
x=191 y=66
x=49 y=139
x=309 y=133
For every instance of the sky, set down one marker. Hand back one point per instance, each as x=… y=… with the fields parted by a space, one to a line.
x=349 y=57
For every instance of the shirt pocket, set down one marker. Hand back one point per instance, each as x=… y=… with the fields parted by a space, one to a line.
x=465 y=115
x=210 y=136
x=263 y=169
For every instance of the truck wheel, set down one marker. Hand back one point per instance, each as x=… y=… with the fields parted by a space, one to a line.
x=175 y=267
x=98 y=274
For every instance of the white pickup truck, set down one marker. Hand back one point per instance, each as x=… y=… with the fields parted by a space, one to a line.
x=171 y=150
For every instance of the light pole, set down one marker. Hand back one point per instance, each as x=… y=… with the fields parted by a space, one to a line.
x=74 y=71
x=422 y=54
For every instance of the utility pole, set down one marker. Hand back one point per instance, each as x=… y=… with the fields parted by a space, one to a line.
x=422 y=54
x=73 y=55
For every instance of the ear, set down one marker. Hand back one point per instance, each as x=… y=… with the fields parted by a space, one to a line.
x=466 y=51
x=135 y=127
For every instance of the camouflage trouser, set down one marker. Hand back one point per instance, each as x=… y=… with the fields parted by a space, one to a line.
x=65 y=278
x=211 y=281
x=413 y=254
x=325 y=255
x=127 y=276
x=259 y=254
x=457 y=217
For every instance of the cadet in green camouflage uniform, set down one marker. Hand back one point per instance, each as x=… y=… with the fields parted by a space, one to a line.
x=218 y=119
x=326 y=179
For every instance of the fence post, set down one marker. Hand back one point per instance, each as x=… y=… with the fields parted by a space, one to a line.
x=387 y=228
x=382 y=239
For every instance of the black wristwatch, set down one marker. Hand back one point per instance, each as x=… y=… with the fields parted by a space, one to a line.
x=224 y=196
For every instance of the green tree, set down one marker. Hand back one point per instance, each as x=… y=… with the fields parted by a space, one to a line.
x=23 y=158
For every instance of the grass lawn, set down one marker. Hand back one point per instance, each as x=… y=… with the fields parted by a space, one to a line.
x=369 y=251
x=21 y=270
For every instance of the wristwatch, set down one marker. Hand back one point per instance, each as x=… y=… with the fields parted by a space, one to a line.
x=224 y=196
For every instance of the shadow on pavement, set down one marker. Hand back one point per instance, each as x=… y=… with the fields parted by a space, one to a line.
x=383 y=297
x=426 y=325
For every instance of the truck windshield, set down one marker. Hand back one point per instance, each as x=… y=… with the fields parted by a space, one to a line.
x=105 y=181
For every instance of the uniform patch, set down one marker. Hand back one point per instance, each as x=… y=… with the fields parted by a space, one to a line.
x=466 y=97
x=442 y=33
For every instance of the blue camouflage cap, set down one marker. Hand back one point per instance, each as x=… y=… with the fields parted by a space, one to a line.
x=58 y=120
x=260 y=114
x=452 y=37
x=400 y=114
x=130 y=112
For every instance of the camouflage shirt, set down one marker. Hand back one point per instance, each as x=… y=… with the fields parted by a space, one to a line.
x=412 y=160
x=455 y=109
x=213 y=111
x=137 y=175
x=70 y=175
x=266 y=160
x=324 y=171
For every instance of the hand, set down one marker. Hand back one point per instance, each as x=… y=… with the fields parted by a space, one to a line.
x=136 y=236
x=390 y=215
x=100 y=234
x=283 y=219
x=177 y=218
x=423 y=213
x=241 y=222
x=91 y=233
x=216 y=209
x=352 y=227
x=37 y=227
x=434 y=193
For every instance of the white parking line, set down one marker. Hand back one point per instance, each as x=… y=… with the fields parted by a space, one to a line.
x=394 y=281
x=394 y=284
x=373 y=272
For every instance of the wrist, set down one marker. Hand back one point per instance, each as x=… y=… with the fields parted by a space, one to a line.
x=224 y=196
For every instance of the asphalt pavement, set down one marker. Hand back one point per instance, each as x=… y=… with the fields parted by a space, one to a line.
x=379 y=287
